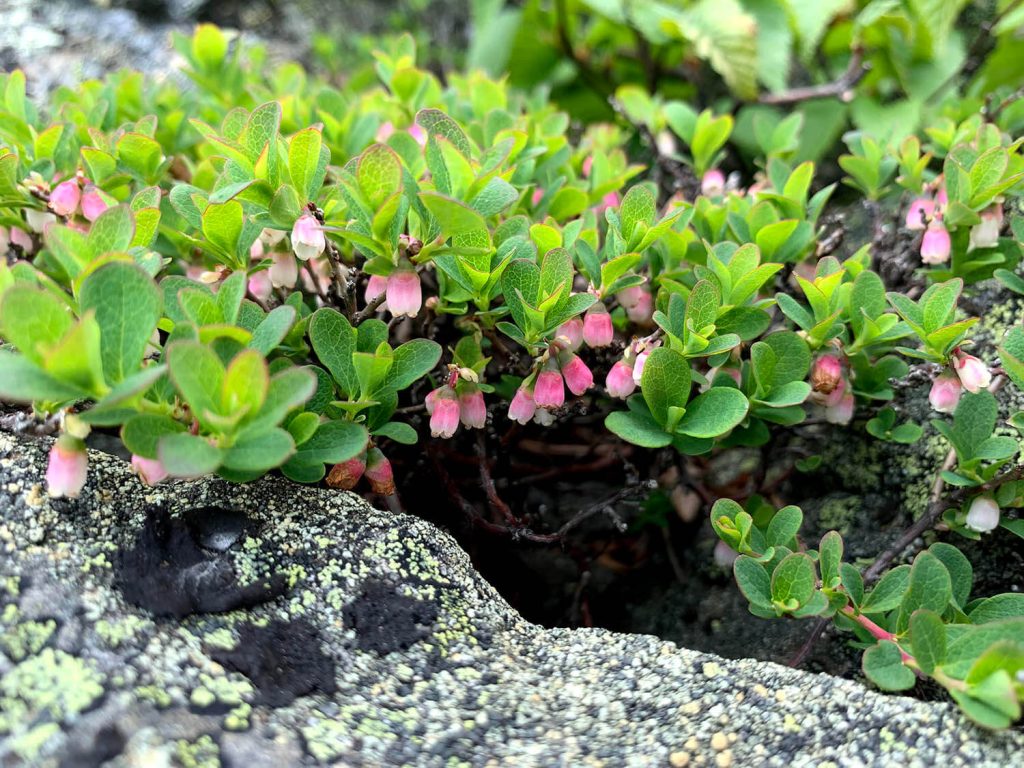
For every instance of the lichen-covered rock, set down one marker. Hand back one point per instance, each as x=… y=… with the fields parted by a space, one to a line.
x=296 y=626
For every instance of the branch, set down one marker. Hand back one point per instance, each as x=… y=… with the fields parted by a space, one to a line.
x=370 y=309
x=841 y=88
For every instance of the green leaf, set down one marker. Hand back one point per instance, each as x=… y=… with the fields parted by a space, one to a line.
x=222 y=226
x=185 y=455
x=127 y=306
x=753 y=581
x=852 y=582
x=889 y=591
x=713 y=413
x=334 y=441
x=307 y=162
x=397 y=431
x=21 y=380
x=412 y=361
x=883 y=665
x=638 y=207
x=113 y=230
x=792 y=581
x=637 y=428
x=998 y=607
x=142 y=432
x=927 y=639
x=272 y=330
x=334 y=341
x=455 y=217
x=665 y=382
x=929 y=587
x=199 y=376
x=260 y=452
x=784 y=526
x=830 y=558
x=33 y=320
x=436 y=122
x=961 y=573
x=379 y=171
x=230 y=295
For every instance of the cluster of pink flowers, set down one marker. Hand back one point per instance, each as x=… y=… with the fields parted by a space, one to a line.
x=624 y=376
x=831 y=389
x=283 y=271
x=458 y=400
x=968 y=372
x=638 y=303
x=371 y=464
x=925 y=214
x=563 y=369
x=77 y=195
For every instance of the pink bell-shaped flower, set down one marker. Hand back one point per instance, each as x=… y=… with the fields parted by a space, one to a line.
x=308 y=239
x=973 y=373
x=444 y=415
x=638 y=303
x=597 y=326
x=841 y=412
x=572 y=331
x=65 y=197
x=345 y=474
x=549 y=391
x=379 y=472
x=712 y=184
x=67 y=467
x=472 y=409
x=151 y=471
x=619 y=381
x=826 y=374
x=404 y=293
x=93 y=203
x=578 y=377
x=983 y=514
x=920 y=212
x=522 y=407
x=376 y=286
x=945 y=392
x=936 y=244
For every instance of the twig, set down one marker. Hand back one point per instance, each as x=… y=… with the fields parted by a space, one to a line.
x=488 y=483
x=842 y=87
x=606 y=506
x=370 y=309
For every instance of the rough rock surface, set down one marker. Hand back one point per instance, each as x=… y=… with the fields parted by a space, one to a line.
x=201 y=623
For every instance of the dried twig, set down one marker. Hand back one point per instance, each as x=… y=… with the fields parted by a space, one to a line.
x=841 y=88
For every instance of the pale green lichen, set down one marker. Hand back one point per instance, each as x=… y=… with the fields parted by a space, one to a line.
x=201 y=753
x=26 y=638
x=154 y=694
x=115 y=633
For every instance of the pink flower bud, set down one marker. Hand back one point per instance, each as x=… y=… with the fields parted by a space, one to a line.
x=93 y=203
x=973 y=373
x=549 y=392
x=260 y=285
x=284 y=272
x=986 y=234
x=384 y=132
x=588 y=166
x=65 y=197
x=537 y=196
x=724 y=555
x=945 y=392
x=308 y=239
x=379 y=473
x=256 y=250
x=983 y=514
x=472 y=409
x=920 y=212
x=405 y=296
x=578 y=377
x=638 y=303
x=67 y=467
x=150 y=471
x=638 y=366
x=444 y=418
x=22 y=239
x=523 y=406
x=572 y=331
x=842 y=412
x=713 y=183
x=619 y=381
x=826 y=374
x=375 y=286
x=935 y=245
x=597 y=326
x=610 y=200
x=345 y=474
x=417 y=132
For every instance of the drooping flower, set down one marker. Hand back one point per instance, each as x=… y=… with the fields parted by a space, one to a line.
x=345 y=474
x=712 y=184
x=826 y=374
x=597 y=326
x=379 y=472
x=920 y=212
x=983 y=514
x=973 y=373
x=638 y=303
x=986 y=234
x=945 y=392
x=22 y=239
x=578 y=377
x=93 y=203
x=151 y=471
x=65 y=197
x=572 y=331
x=841 y=412
x=638 y=366
x=67 y=467
x=444 y=416
x=375 y=286
x=472 y=409
x=549 y=391
x=260 y=285
x=284 y=271
x=936 y=244
x=308 y=239
x=619 y=381
x=404 y=293
x=38 y=220
x=522 y=407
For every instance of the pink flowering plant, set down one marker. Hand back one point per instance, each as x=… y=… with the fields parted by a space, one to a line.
x=304 y=277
